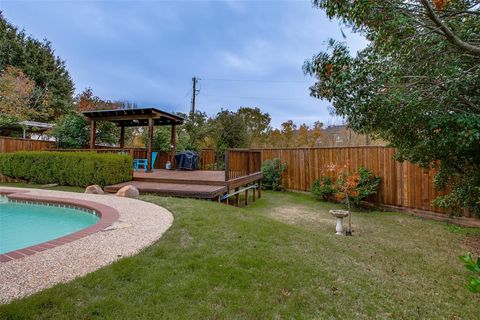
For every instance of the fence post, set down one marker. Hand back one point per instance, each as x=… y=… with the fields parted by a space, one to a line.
x=237 y=197
x=227 y=169
x=92 y=134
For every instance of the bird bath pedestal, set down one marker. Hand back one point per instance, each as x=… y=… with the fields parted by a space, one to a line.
x=339 y=215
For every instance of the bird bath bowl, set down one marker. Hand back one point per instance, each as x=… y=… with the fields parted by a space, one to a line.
x=339 y=215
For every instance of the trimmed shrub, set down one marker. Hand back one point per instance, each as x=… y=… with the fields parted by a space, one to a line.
x=359 y=185
x=368 y=185
x=323 y=189
x=67 y=168
x=272 y=174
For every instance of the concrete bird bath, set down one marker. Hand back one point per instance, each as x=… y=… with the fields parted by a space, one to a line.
x=339 y=215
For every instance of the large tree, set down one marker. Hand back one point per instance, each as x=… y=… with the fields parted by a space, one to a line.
x=37 y=60
x=18 y=98
x=257 y=124
x=417 y=84
x=228 y=131
x=194 y=131
x=72 y=129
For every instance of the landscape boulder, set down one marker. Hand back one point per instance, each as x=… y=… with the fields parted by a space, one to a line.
x=94 y=189
x=128 y=191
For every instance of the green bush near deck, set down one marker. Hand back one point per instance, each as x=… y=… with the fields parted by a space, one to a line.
x=272 y=174
x=67 y=168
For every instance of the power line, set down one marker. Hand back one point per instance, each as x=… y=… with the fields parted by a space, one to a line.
x=258 y=98
x=256 y=80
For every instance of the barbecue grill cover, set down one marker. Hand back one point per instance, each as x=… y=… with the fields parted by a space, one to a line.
x=187 y=160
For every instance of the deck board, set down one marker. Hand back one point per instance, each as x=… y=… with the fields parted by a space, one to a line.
x=178 y=176
x=206 y=175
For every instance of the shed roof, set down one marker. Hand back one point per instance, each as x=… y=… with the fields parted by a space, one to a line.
x=137 y=117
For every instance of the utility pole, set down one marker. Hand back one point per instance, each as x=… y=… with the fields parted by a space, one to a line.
x=195 y=92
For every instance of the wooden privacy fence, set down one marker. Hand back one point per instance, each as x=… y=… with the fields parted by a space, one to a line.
x=207 y=156
x=8 y=145
x=242 y=162
x=403 y=184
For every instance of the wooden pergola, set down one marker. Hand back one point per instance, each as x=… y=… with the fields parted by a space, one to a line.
x=138 y=117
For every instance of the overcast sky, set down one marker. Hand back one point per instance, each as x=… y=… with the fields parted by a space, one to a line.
x=246 y=53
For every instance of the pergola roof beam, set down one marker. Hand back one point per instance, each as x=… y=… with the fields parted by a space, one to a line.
x=133 y=114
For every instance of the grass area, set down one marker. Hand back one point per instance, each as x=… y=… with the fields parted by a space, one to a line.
x=278 y=258
x=39 y=186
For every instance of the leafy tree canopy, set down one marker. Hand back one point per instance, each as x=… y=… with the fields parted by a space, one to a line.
x=415 y=85
x=38 y=62
x=87 y=101
x=194 y=131
x=257 y=124
x=228 y=131
x=73 y=131
x=19 y=101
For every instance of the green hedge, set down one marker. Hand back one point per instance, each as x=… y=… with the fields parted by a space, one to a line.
x=67 y=168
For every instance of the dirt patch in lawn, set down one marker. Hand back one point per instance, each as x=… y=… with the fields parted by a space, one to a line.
x=295 y=214
x=306 y=216
x=185 y=238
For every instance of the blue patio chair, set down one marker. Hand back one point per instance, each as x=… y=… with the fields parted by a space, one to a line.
x=144 y=162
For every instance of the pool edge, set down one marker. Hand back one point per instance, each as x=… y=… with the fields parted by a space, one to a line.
x=108 y=216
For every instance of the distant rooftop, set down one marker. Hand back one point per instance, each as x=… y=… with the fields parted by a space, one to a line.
x=25 y=127
x=36 y=124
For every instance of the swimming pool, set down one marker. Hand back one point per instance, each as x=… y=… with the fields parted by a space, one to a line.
x=25 y=223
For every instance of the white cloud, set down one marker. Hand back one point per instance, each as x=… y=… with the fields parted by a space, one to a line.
x=254 y=58
x=235 y=5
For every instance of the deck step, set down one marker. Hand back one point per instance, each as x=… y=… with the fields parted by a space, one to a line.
x=196 y=177
x=173 y=189
x=179 y=181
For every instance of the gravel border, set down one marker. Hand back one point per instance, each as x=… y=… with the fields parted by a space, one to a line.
x=139 y=225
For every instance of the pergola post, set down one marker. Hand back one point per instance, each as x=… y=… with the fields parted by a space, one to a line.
x=93 y=128
x=122 y=136
x=173 y=140
x=149 y=144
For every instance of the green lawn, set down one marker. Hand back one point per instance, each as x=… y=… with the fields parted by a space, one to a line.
x=276 y=259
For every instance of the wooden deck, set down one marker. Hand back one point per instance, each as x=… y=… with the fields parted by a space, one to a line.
x=201 y=184
x=177 y=176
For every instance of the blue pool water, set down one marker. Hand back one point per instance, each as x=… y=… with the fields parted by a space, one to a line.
x=23 y=225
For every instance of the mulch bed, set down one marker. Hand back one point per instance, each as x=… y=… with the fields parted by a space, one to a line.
x=473 y=243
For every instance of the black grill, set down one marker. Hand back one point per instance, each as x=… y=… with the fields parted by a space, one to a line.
x=187 y=160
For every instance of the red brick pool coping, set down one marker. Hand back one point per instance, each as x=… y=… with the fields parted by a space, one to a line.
x=108 y=216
